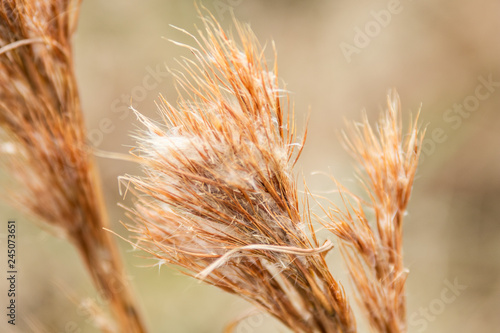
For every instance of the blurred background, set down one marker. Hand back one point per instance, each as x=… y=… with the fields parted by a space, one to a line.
x=337 y=58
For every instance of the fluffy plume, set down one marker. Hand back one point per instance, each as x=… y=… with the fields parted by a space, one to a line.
x=374 y=251
x=218 y=197
x=44 y=139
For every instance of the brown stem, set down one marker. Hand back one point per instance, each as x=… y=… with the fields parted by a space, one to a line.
x=106 y=269
x=101 y=256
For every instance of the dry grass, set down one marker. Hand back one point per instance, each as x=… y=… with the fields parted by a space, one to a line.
x=219 y=197
x=44 y=138
x=374 y=250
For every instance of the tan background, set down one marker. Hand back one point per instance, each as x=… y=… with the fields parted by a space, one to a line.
x=432 y=51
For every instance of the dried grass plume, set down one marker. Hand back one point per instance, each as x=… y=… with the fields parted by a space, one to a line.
x=373 y=245
x=218 y=196
x=44 y=140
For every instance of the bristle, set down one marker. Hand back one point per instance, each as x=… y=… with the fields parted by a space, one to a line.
x=373 y=252
x=41 y=121
x=218 y=196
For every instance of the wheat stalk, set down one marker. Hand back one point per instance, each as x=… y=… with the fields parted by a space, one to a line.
x=219 y=198
x=41 y=122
